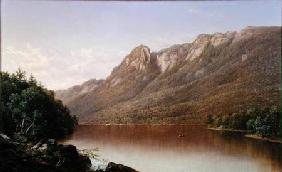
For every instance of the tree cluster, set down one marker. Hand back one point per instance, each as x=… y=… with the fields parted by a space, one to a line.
x=31 y=111
x=263 y=122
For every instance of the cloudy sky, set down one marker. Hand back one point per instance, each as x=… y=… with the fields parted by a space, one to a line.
x=63 y=43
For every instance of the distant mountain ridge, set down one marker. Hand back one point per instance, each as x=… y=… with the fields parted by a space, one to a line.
x=216 y=74
x=77 y=90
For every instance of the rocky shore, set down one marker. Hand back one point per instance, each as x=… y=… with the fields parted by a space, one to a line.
x=47 y=156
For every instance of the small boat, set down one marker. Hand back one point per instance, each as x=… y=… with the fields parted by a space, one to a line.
x=181 y=135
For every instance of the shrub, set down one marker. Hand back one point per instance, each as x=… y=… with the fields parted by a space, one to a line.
x=267 y=123
x=251 y=125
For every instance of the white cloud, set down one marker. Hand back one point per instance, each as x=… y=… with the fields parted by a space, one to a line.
x=57 y=70
x=30 y=58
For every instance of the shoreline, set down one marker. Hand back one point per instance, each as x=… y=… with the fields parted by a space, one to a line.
x=87 y=124
x=229 y=130
x=249 y=136
x=253 y=136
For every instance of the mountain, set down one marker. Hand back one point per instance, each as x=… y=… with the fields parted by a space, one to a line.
x=216 y=74
x=77 y=90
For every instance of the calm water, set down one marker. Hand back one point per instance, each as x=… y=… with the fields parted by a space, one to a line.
x=178 y=148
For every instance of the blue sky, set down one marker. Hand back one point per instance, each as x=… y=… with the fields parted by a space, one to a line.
x=67 y=42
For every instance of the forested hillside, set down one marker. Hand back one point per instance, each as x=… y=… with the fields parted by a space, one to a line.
x=216 y=74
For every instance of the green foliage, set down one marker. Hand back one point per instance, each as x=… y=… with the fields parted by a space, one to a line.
x=263 y=122
x=251 y=125
x=267 y=124
x=30 y=110
x=239 y=121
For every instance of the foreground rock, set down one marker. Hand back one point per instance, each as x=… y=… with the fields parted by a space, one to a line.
x=71 y=160
x=113 y=167
x=47 y=157
x=51 y=158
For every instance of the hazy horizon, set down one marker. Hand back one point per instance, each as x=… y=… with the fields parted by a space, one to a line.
x=66 y=43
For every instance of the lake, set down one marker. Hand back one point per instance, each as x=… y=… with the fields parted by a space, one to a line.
x=178 y=148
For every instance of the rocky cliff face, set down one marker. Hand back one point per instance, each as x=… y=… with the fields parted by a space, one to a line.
x=216 y=74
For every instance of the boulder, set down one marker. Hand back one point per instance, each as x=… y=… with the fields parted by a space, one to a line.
x=68 y=151
x=113 y=167
x=71 y=160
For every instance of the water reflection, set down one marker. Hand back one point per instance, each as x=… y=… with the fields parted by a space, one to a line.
x=178 y=148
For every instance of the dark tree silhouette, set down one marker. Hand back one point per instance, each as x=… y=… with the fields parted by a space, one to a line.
x=30 y=110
